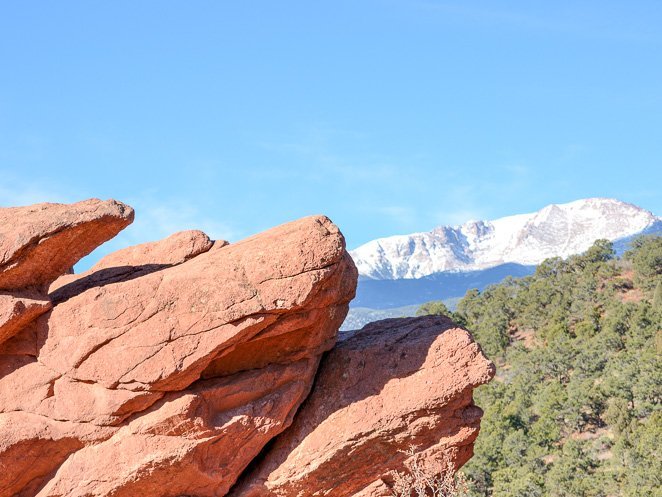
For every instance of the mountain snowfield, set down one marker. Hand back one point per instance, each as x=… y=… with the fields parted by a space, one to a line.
x=556 y=230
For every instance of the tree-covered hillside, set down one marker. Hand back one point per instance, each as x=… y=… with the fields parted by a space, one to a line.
x=575 y=408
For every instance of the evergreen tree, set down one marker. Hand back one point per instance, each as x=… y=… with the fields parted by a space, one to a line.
x=576 y=408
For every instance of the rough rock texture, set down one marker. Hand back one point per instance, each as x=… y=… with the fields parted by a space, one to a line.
x=18 y=309
x=166 y=368
x=396 y=383
x=39 y=243
x=43 y=241
x=169 y=368
x=173 y=250
x=194 y=442
x=135 y=261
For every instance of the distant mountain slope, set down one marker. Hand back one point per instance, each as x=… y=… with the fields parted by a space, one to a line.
x=526 y=239
x=358 y=317
x=385 y=294
x=623 y=244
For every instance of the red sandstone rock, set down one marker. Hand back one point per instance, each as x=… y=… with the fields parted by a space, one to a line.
x=132 y=262
x=397 y=383
x=377 y=488
x=175 y=249
x=193 y=443
x=108 y=384
x=166 y=369
x=159 y=332
x=18 y=309
x=40 y=242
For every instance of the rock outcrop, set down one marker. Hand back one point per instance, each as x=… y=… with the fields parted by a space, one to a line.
x=18 y=309
x=184 y=367
x=395 y=384
x=166 y=368
x=41 y=242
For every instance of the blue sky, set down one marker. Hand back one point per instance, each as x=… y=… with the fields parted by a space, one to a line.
x=389 y=116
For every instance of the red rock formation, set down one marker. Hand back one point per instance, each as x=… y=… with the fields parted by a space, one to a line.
x=194 y=442
x=132 y=262
x=18 y=309
x=395 y=384
x=43 y=241
x=166 y=369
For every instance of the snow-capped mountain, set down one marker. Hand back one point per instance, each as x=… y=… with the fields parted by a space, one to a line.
x=527 y=239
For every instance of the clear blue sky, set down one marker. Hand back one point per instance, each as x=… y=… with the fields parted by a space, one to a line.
x=389 y=116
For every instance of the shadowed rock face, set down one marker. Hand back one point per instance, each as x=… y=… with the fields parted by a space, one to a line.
x=167 y=368
x=394 y=384
x=18 y=309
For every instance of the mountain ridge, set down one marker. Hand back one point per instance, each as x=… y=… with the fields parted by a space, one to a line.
x=527 y=239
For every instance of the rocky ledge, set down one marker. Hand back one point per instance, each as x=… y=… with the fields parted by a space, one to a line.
x=185 y=366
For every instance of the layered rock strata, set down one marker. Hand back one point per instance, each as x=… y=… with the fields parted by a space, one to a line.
x=395 y=384
x=166 y=368
x=184 y=367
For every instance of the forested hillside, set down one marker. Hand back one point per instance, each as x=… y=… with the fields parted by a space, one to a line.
x=575 y=408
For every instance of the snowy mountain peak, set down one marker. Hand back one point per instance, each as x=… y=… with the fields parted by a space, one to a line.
x=556 y=230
